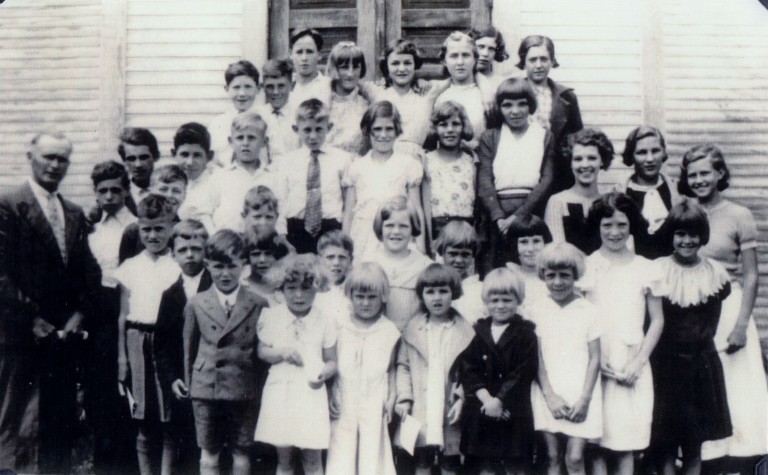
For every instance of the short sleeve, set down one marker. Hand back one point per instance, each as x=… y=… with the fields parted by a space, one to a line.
x=657 y=285
x=123 y=273
x=651 y=277
x=595 y=329
x=747 y=229
x=414 y=172
x=330 y=332
x=267 y=328
x=349 y=178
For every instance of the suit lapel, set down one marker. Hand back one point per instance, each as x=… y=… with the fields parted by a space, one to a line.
x=213 y=308
x=205 y=282
x=37 y=220
x=71 y=218
x=244 y=302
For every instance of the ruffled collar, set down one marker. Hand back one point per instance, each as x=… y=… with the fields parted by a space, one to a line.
x=689 y=286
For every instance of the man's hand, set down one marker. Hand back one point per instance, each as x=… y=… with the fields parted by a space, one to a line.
x=41 y=328
x=180 y=390
x=74 y=325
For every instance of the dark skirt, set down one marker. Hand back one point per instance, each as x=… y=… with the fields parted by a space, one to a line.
x=691 y=405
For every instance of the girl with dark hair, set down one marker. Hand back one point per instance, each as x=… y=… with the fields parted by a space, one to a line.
x=558 y=109
x=526 y=238
x=588 y=152
x=732 y=243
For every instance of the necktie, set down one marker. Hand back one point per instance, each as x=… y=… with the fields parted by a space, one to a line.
x=277 y=112
x=228 y=308
x=57 y=226
x=313 y=212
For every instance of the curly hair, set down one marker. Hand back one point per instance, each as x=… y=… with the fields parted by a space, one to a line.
x=590 y=137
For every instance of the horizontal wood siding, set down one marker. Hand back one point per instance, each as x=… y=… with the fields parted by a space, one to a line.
x=176 y=54
x=715 y=65
x=49 y=79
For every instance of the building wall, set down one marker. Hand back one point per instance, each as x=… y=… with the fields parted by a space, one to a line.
x=89 y=67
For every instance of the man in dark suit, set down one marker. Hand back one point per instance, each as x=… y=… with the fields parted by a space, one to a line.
x=47 y=280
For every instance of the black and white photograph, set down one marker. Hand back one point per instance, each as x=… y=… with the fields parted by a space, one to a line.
x=383 y=237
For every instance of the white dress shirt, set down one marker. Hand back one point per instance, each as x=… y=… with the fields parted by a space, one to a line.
x=104 y=242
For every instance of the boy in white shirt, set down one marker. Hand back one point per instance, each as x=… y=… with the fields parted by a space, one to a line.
x=279 y=116
x=192 y=152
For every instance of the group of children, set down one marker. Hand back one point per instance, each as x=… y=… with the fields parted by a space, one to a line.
x=310 y=282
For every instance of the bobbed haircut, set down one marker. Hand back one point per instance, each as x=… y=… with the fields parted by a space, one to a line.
x=690 y=217
x=271 y=243
x=491 y=32
x=314 y=34
x=312 y=109
x=438 y=275
x=399 y=46
x=110 y=170
x=606 y=206
x=532 y=41
x=343 y=54
x=259 y=197
x=380 y=110
x=336 y=238
x=367 y=277
x=396 y=203
x=527 y=226
x=457 y=233
x=590 y=137
x=155 y=207
x=503 y=281
x=188 y=229
x=138 y=136
x=700 y=152
x=446 y=110
x=249 y=119
x=561 y=255
x=241 y=68
x=169 y=174
x=225 y=246
x=304 y=269
x=637 y=134
x=192 y=133
x=278 y=68
x=516 y=88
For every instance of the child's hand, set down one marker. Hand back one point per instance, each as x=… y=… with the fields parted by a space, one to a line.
x=632 y=371
x=493 y=408
x=610 y=372
x=557 y=406
x=122 y=370
x=579 y=410
x=334 y=407
x=293 y=357
x=454 y=413
x=388 y=412
x=402 y=409
x=317 y=383
x=180 y=390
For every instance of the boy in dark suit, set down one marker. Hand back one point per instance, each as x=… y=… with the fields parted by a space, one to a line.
x=188 y=247
x=221 y=358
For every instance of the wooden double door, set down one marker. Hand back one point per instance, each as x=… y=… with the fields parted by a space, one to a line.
x=374 y=23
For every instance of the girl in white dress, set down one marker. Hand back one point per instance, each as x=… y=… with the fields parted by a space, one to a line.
x=346 y=65
x=378 y=175
x=395 y=225
x=299 y=341
x=618 y=282
x=363 y=393
x=566 y=399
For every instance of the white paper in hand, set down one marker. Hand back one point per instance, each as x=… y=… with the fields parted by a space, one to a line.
x=409 y=432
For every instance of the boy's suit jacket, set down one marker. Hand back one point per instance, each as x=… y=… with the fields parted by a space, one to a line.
x=169 y=331
x=221 y=354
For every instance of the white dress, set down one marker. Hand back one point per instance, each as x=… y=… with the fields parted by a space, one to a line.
x=535 y=290
x=359 y=437
x=376 y=181
x=564 y=335
x=292 y=413
x=619 y=292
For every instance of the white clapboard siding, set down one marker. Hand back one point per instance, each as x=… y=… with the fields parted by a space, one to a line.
x=715 y=64
x=49 y=79
x=176 y=54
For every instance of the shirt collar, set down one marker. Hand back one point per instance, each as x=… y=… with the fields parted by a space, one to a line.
x=223 y=298
x=41 y=193
x=193 y=281
x=124 y=217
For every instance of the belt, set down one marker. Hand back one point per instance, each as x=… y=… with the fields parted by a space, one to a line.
x=145 y=327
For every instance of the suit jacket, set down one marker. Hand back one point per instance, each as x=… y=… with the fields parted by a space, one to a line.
x=34 y=279
x=221 y=355
x=486 y=182
x=564 y=119
x=169 y=330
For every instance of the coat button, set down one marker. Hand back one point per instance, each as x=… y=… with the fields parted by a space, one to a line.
x=213 y=327
x=219 y=364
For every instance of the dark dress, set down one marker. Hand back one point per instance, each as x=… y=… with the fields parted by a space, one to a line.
x=690 y=405
x=652 y=246
x=506 y=369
